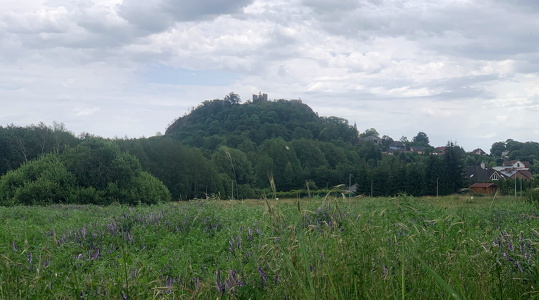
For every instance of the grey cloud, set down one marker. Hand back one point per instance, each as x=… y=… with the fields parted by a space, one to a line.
x=473 y=29
x=329 y=6
x=156 y=16
x=462 y=87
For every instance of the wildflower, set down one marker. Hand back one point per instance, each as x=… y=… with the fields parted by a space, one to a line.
x=219 y=283
x=95 y=254
x=263 y=276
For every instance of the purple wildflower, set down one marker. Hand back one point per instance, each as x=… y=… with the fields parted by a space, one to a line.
x=263 y=276
x=219 y=283
x=95 y=254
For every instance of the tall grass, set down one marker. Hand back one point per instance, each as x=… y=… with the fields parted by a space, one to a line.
x=332 y=248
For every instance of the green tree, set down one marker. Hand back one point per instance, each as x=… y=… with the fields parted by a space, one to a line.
x=232 y=99
x=369 y=132
x=94 y=172
x=497 y=149
x=454 y=168
x=285 y=166
x=421 y=139
x=234 y=163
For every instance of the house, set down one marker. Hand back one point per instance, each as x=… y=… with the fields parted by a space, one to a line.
x=481 y=174
x=484 y=188
x=479 y=151
x=523 y=174
x=373 y=138
x=515 y=169
x=439 y=150
x=517 y=164
x=418 y=149
x=397 y=146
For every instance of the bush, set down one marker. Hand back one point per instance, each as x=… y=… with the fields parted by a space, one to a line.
x=532 y=195
x=95 y=172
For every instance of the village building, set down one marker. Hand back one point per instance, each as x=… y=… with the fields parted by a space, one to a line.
x=481 y=174
x=418 y=149
x=479 y=151
x=373 y=138
x=484 y=188
x=439 y=150
x=515 y=169
x=397 y=146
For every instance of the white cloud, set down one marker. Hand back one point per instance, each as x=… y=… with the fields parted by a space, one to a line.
x=85 y=112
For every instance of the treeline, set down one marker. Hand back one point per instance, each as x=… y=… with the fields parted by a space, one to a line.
x=235 y=151
x=300 y=164
x=93 y=172
x=20 y=144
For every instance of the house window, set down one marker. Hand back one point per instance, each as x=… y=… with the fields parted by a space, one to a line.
x=518 y=165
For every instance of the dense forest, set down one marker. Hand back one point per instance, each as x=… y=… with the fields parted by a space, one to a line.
x=231 y=150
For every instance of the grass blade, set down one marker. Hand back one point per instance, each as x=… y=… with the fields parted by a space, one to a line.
x=441 y=282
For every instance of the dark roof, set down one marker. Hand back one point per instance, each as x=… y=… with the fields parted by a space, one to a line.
x=478 y=174
x=483 y=185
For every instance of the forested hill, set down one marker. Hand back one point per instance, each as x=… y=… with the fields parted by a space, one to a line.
x=233 y=151
x=227 y=122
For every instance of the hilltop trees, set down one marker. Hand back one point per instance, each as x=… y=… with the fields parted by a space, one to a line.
x=511 y=149
x=257 y=121
x=232 y=99
x=421 y=139
x=497 y=149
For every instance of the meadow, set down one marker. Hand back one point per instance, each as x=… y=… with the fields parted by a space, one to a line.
x=327 y=248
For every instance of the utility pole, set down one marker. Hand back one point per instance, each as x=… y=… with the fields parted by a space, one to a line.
x=349 y=180
x=521 y=187
x=437 y=186
x=515 y=186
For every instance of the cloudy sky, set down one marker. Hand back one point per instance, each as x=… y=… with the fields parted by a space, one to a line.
x=465 y=71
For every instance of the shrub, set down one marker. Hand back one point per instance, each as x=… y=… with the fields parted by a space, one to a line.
x=95 y=172
x=532 y=195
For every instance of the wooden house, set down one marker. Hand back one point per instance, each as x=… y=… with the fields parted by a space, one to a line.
x=484 y=188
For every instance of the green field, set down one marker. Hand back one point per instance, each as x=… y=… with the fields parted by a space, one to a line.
x=359 y=248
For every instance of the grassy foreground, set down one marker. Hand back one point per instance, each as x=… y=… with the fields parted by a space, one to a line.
x=437 y=248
